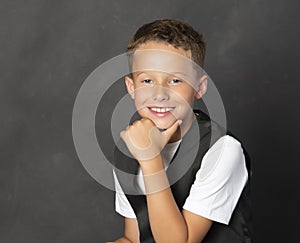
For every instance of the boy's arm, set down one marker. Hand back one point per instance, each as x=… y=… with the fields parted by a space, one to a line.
x=167 y=223
x=131 y=232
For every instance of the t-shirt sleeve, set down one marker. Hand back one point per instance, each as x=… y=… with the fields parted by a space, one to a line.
x=122 y=205
x=219 y=182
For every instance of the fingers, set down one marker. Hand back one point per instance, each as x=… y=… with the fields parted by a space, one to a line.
x=144 y=140
x=138 y=123
x=167 y=133
x=171 y=130
x=122 y=134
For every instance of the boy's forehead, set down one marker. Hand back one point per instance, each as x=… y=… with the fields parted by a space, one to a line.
x=163 y=61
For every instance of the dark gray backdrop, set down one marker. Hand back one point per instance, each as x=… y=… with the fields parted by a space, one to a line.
x=48 y=48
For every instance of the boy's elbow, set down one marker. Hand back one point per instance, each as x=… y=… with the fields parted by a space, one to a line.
x=174 y=238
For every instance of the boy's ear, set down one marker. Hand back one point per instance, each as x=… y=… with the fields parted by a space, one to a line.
x=130 y=86
x=201 y=87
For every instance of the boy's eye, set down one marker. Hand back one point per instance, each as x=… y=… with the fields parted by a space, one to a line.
x=147 y=81
x=175 y=81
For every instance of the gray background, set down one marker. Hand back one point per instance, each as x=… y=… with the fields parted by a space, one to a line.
x=48 y=48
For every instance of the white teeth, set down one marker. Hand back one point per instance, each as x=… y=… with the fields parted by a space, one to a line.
x=165 y=109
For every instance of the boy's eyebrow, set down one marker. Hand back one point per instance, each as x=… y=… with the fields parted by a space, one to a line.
x=185 y=76
x=173 y=73
x=180 y=73
x=139 y=73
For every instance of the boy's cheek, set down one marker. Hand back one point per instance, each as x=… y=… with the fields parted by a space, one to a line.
x=139 y=104
x=142 y=93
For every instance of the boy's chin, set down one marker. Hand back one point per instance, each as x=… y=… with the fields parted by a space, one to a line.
x=162 y=126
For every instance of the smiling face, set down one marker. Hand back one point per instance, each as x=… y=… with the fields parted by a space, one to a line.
x=161 y=93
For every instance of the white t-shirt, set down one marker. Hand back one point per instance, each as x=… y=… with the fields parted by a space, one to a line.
x=217 y=187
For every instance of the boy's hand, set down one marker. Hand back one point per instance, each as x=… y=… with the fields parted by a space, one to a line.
x=144 y=140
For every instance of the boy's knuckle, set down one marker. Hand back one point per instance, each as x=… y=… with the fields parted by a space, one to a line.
x=136 y=123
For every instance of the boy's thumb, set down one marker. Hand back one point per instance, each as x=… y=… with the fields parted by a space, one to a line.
x=171 y=130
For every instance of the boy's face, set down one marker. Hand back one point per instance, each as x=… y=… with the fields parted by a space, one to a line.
x=161 y=96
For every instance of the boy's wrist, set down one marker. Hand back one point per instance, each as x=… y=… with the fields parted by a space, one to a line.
x=151 y=166
x=154 y=174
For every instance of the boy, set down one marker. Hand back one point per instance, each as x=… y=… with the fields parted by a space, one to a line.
x=209 y=203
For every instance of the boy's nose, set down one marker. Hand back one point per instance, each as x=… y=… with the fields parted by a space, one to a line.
x=160 y=94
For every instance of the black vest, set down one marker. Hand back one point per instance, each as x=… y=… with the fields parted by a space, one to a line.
x=239 y=228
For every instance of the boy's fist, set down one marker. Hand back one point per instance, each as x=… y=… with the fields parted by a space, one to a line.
x=144 y=140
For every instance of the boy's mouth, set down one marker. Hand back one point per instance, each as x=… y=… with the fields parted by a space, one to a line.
x=161 y=111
